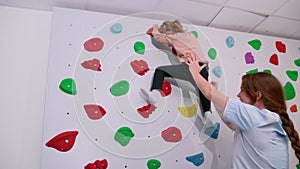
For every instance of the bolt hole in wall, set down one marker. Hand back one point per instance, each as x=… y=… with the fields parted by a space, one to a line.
x=102 y=89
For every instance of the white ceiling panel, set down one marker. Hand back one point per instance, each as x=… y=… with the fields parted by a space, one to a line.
x=121 y=6
x=265 y=7
x=44 y=4
x=290 y=10
x=32 y=4
x=196 y=12
x=296 y=35
x=217 y=2
x=236 y=20
x=275 y=26
x=269 y=17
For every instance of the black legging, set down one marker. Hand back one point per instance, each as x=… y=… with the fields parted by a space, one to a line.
x=180 y=71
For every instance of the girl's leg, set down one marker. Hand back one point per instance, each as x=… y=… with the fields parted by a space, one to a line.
x=174 y=71
x=206 y=104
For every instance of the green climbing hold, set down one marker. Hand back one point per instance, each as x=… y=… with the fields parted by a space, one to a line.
x=293 y=75
x=297 y=62
x=212 y=53
x=120 y=88
x=289 y=91
x=252 y=71
x=153 y=164
x=123 y=135
x=139 y=47
x=268 y=71
x=298 y=166
x=256 y=44
x=195 y=33
x=68 y=86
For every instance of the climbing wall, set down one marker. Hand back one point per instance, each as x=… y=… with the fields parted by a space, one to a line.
x=95 y=118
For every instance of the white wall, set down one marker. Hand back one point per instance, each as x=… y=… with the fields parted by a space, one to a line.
x=24 y=45
x=24 y=49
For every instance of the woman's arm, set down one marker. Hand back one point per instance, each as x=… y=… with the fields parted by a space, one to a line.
x=209 y=90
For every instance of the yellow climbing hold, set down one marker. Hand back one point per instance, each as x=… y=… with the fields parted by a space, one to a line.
x=188 y=111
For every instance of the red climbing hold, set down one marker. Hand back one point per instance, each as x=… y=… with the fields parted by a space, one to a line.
x=64 y=141
x=94 y=111
x=149 y=31
x=166 y=89
x=293 y=108
x=140 y=67
x=98 y=164
x=171 y=134
x=280 y=46
x=274 y=59
x=93 y=45
x=93 y=64
x=145 y=111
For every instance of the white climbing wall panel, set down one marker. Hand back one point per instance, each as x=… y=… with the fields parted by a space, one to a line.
x=96 y=54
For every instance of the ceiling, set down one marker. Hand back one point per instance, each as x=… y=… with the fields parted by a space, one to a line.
x=279 y=18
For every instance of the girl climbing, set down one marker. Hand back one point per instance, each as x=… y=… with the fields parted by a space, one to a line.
x=184 y=45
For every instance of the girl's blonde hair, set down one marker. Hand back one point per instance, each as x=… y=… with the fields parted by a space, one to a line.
x=173 y=26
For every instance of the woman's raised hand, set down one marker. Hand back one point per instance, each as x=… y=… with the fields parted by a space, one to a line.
x=193 y=63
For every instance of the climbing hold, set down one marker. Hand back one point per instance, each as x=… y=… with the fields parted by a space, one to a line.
x=267 y=71
x=217 y=71
x=289 y=91
x=153 y=164
x=230 y=42
x=123 y=135
x=293 y=75
x=298 y=166
x=166 y=89
x=93 y=45
x=280 y=46
x=213 y=131
x=171 y=134
x=98 y=164
x=212 y=53
x=274 y=59
x=139 y=47
x=293 y=108
x=140 y=67
x=120 y=88
x=195 y=33
x=63 y=142
x=145 y=111
x=196 y=159
x=149 y=31
x=68 y=86
x=116 y=28
x=252 y=71
x=249 y=58
x=93 y=64
x=188 y=111
x=297 y=62
x=94 y=111
x=256 y=44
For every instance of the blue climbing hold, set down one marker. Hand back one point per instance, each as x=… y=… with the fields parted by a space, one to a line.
x=217 y=71
x=116 y=28
x=196 y=159
x=213 y=131
x=230 y=42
